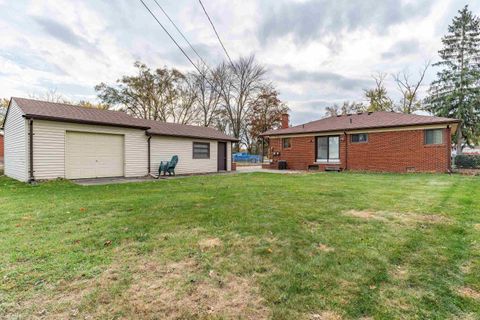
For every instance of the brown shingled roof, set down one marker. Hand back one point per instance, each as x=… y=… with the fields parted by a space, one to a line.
x=366 y=120
x=183 y=130
x=69 y=113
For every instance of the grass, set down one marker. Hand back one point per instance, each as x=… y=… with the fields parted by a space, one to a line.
x=307 y=246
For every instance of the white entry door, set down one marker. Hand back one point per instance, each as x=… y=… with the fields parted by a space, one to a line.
x=94 y=155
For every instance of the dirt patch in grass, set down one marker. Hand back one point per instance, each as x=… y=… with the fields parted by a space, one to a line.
x=209 y=243
x=152 y=290
x=325 y=315
x=476 y=226
x=324 y=248
x=469 y=293
x=399 y=217
x=399 y=273
x=368 y=215
x=181 y=289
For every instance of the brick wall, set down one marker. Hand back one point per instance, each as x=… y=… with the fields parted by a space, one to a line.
x=396 y=151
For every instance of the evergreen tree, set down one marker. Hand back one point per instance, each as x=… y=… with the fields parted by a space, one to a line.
x=456 y=92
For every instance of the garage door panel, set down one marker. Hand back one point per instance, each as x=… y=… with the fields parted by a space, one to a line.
x=94 y=155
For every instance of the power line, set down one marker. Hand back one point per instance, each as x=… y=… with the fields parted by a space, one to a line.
x=216 y=33
x=181 y=33
x=179 y=47
x=171 y=37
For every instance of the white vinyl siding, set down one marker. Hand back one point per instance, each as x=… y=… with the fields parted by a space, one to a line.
x=15 y=139
x=49 y=143
x=163 y=148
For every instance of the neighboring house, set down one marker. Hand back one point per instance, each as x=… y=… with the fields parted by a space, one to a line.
x=370 y=141
x=46 y=140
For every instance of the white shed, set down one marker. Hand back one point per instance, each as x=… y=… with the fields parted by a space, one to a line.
x=45 y=140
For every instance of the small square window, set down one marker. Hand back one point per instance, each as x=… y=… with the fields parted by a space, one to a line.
x=434 y=136
x=359 y=137
x=287 y=143
x=201 y=150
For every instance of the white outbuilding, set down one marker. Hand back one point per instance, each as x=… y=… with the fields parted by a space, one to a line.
x=45 y=140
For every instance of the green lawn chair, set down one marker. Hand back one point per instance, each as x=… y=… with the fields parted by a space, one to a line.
x=168 y=166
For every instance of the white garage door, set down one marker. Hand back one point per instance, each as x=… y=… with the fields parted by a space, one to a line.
x=93 y=155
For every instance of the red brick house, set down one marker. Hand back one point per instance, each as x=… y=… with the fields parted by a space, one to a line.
x=370 y=141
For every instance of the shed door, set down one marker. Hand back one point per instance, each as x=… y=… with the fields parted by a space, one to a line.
x=93 y=155
x=222 y=156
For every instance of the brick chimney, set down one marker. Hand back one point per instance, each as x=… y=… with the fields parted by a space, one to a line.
x=285 y=120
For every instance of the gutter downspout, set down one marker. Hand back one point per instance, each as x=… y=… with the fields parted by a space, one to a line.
x=30 y=149
x=449 y=150
x=149 y=165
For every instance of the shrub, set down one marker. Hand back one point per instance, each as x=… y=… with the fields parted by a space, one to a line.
x=468 y=161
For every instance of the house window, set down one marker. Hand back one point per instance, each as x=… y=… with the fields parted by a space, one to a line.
x=359 y=137
x=434 y=136
x=287 y=143
x=201 y=150
x=328 y=149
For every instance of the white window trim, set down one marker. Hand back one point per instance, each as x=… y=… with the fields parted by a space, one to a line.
x=320 y=161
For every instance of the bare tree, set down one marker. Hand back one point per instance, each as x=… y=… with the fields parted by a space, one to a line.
x=207 y=88
x=239 y=84
x=410 y=102
x=184 y=109
x=50 y=96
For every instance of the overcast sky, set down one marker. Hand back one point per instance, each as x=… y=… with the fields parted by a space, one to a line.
x=317 y=52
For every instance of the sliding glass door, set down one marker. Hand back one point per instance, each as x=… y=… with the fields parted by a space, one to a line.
x=328 y=149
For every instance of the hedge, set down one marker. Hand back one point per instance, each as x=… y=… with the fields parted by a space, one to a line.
x=467 y=161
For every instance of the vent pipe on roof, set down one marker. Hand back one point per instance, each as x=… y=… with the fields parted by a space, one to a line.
x=351 y=121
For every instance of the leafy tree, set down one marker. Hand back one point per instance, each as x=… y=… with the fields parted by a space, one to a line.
x=378 y=99
x=346 y=108
x=149 y=94
x=265 y=114
x=456 y=91
x=3 y=109
x=92 y=105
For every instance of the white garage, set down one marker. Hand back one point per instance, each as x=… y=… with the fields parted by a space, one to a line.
x=45 y=140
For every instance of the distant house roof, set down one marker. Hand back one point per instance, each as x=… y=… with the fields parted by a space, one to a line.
x=70 y=113
x=366 y=120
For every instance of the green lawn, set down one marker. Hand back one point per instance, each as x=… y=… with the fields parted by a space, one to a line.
x=307 y=246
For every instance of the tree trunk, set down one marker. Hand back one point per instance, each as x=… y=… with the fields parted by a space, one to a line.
x=459 y=141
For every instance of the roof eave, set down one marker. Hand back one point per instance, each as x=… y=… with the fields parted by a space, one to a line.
x=69 y=120
x=453 y=121
x=192 y=136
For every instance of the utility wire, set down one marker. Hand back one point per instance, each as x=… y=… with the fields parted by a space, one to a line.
x=181 y=33
x=179 y=47
x=216 y=33
x=172 y=38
